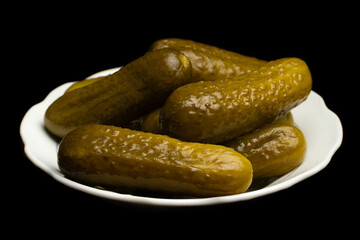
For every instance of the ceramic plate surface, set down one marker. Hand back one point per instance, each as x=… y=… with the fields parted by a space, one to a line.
x=321 y=127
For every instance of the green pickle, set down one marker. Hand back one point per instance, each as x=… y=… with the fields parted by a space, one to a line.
x=151 y=122
x=210 y=63
x=218 y=111
x=134 y=90
x=273 y=150
x=288 y=118
x=117 y=158
x=180 y=99
x=83 y=83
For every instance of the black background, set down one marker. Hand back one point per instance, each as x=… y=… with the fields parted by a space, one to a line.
x=53 y=46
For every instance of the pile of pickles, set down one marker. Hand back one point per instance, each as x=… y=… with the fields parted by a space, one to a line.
x=186 y=119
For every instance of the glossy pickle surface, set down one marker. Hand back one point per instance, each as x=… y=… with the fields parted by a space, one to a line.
x=129 y=93
x=151 y=122
x=119 y=158
x=219 y=111
x=210 y=63
x=83 y=83
x=273 y=150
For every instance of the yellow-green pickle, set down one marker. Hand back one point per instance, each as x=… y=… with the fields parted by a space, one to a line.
x=134 y=90
x=288 y=118
x=151 y=122
x=83 y=83
x=204 y=122
x=218 y=111
x=210 y=63
x=118 y=158
x=273 y=150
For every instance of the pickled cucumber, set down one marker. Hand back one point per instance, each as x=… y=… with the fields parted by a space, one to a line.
x=273 y=150
x=118 y=158
x=210 y=63
x=129 y=93
x=151 y=122
x=288 y=118
x=218 y=111
x=83 y=83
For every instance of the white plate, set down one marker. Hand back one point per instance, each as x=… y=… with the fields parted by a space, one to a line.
x=321 y=127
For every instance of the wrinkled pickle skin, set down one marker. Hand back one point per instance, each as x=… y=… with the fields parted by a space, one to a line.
x=119 y=158
x=273 y=150
x=210 y=63
x=129 y=93
x=218 y=111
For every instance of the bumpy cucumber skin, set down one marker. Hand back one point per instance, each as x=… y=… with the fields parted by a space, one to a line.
x=273 y=150
x=131 y=92
x=119 y=158
x=214 y=112
x=210 y=63
x=150 y=122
